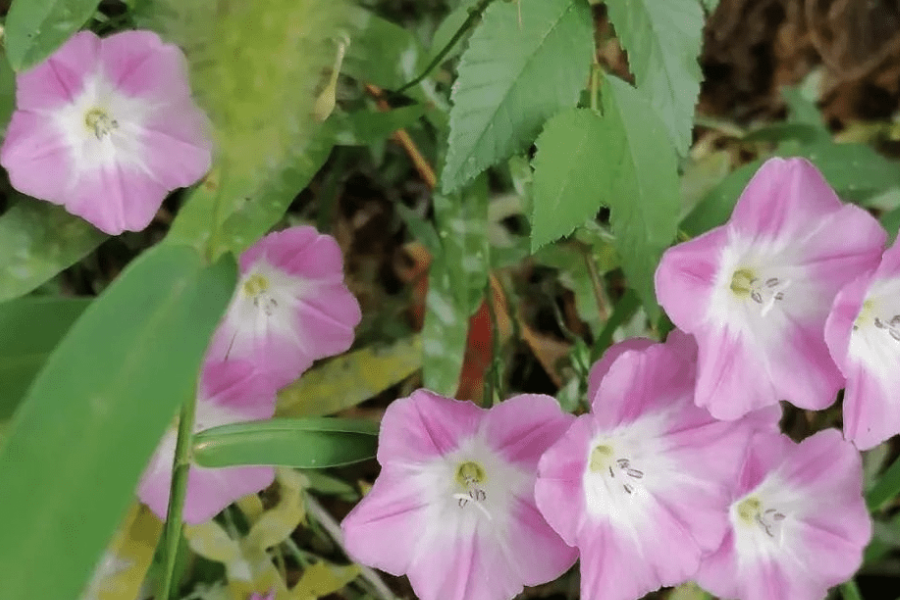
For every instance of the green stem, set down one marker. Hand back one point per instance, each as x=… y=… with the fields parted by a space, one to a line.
x=850 y=591
x=474 y=14
x=493 y=376
x=596 y=283
x=177 y=492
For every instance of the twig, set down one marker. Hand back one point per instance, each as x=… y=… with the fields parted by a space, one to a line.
x=402 y=138
x=474 y=14
x=334 y=530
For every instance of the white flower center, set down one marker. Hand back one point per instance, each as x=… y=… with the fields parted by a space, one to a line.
x=875 y=339
x=617 y=471
x=764 y=291
x=753 y=514
x=470 y=477
x=100 y=123
x=258 y=288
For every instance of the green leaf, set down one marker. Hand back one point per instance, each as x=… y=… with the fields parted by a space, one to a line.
x=37 y=241
x=802 y=111
x=710 y=5
x=887 y=488
x=244 y=219
x=302 y=443
x=456 y=282
x=891 y=222
x=663 y=40
x=95 y=414
x=382 y=52
x=7 y=92
x=644 y=191
x=570 y=181
x=349 y=379
x=515 y=74
x=716 y=206
x=36 y=28
x=30 y=329
x=365 y=127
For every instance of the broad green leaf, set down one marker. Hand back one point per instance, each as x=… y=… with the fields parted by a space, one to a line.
x=349 y=379
x=95 y=414
x=7 y=92
x=36 y=28
x=891 y=222
x=456 y=282
x=572 y=174
x=644 y=191
x=521 y=68
x=302 y=443
x=382 y=52
x=784 y=132
x=448 y=28
x=663 y=40
x=802 y=111
x=37 y=241
x=30 y=328
x=365 y=127
x=244 y=219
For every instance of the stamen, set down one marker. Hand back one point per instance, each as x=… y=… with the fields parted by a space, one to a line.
x=602 y=461
x=99 y=122
x=892 y=327
x=470 y=475
x=769 y=520
x=744 y=282
x=257 y=287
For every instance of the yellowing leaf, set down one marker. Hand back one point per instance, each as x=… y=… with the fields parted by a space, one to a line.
x=350 y=379
x=212 y=542
x=322 y=579
x=276 y=525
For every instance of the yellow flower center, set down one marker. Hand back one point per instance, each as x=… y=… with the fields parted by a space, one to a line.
x=99 y=122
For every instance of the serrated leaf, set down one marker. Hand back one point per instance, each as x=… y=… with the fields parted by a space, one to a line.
x=521 y=68
x=663 y=39
x=96 y=412
x=571 y=174
x=349 y=379
x=37 y=241
x=36 y=28
x=644 y=194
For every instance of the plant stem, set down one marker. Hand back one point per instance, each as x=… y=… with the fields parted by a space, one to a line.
x=850 y=591
x=474 y=14
x=596 y=284
x=177 y=491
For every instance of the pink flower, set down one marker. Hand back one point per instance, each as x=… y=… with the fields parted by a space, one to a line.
x=641 y=484
x=863 y=334
x=107 y=128
x=798 y=523
x=756 y=292
x=228 y=393
x=453 y=507
x=291 y=305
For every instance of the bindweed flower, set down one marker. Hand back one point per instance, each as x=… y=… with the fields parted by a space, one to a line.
x=756 y=292
x=798 y=522
x=291 y=306
x=228 y=393
x=107 y=128
x=641 y=484
x=453 y=507
x=863 y=334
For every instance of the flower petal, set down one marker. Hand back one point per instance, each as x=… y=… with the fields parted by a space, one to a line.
x=424 y=426
x=524 y=426
x=34 y=146
x=116 y=198
x=60 y=79
x=139 y=64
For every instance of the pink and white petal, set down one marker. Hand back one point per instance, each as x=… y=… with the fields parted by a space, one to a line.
x=832 y=265
x=825 y=463
x=176 y=143
x=534 y=550
x=686 y=276
x=209 y=491
x=326 y=321
x=765 y=452
x=871 y=410
x=319 y=259
x=831 y=551
x=237 y=386
x=718 y=573
x=471 y=567
x=35 y=146
x=61 y=78
x=424 y=426
x=839 y=325
x=601 y=367
x=116 y=198
x=384 y=530
x=773 y=580
x=801 y=368
x=523 y=427
x=639 y=382
x=615 y=566
x=732 y=375
x=559 y=491
x=782 y=200
x=139 y=64
x=153 y=489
